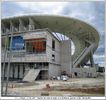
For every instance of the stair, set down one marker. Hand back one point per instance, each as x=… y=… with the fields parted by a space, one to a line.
x=31 y=75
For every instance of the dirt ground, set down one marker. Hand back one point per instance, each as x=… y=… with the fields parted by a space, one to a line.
x=72 y=87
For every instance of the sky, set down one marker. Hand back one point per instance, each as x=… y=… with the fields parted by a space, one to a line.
x=90 y=12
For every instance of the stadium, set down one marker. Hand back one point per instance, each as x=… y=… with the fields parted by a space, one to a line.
x=39 y=47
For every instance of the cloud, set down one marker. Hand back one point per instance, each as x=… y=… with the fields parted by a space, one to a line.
x=27 y=8
x=43 y=7
x=99 y=59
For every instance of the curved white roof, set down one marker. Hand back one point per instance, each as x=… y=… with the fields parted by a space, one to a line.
x=77 y=30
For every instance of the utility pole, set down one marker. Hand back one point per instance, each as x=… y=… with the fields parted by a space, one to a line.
x=70 y=56
x=4 y=63
x=9 y=60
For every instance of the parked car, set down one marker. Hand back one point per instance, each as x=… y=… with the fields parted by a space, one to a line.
x=64 y=77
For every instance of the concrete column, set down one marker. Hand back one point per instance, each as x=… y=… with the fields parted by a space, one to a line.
x=24 y=70
x=5 y=71
x=16 y=71
x=11 y=71
x=21 y=71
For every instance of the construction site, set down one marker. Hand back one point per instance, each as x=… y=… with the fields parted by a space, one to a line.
x=37 y=57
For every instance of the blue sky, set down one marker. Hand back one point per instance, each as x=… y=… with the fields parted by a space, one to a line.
x=90 y=12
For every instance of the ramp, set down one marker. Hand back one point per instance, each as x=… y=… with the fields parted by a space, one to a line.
x=31 y=75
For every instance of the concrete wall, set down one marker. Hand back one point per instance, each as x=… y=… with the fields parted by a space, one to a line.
x=66 y=63
x=47 y=57
x=29 y=58
x=54 y=70
x=49 y=51
x=34 y=35
x=84 y=72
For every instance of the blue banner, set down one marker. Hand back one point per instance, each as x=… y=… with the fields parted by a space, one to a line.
x=18 y=43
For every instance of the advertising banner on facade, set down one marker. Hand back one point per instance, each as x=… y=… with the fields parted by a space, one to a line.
x=18 y=43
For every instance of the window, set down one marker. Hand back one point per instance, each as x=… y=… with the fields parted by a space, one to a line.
x=53 y=57
x=53 y=45
x=29 y=47
x=36 y=45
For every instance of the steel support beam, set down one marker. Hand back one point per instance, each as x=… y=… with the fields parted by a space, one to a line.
x=21 y=26
x=92 y=60
x=31 y=24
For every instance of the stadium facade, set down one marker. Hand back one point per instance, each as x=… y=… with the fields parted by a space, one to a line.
x=39 y=47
